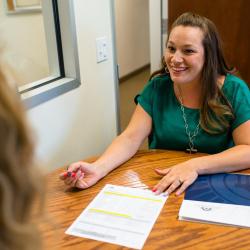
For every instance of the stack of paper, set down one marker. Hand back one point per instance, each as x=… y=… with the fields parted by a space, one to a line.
x=218 y=198
x=119 y=215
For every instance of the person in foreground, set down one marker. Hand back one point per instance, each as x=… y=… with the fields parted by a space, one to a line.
x=20 y=184
x=194 y=103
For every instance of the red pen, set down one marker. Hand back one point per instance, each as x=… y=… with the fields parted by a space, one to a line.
x=69 y=174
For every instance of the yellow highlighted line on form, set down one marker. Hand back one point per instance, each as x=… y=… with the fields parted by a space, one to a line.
x=132 y=196
x=109 y=212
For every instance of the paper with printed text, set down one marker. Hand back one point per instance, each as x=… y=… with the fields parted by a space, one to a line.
x=119 y=215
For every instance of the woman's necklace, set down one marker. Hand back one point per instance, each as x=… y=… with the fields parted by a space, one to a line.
x=191 y=136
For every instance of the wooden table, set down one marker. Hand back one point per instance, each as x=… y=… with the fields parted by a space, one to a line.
x=63 y=206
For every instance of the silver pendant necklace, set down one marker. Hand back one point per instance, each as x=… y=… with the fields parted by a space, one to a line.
x=191 y=136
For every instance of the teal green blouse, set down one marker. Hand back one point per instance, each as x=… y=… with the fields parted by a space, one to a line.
x=168 y=131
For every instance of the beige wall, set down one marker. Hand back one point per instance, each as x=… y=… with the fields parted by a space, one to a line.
x=30 y=63
x=23 y=46
x=81 y=122
x=155 y=35
x=132 y=34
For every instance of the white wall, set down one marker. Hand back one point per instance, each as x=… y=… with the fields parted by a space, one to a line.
x=132 y=34
x=82 y=122
x=165 y=17
x=21 y=36
x=155 y=34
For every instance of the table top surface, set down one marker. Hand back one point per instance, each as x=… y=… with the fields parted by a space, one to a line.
x=65 y=205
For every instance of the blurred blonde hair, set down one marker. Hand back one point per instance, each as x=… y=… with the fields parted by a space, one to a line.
x=20 y=184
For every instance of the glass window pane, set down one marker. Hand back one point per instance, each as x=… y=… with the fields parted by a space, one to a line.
x=24 y=43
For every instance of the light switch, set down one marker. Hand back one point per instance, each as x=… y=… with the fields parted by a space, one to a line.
x=101 y=49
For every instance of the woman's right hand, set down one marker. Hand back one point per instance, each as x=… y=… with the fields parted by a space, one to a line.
x=81 y=175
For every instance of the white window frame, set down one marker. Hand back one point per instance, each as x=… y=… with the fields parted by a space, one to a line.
x=45 y=89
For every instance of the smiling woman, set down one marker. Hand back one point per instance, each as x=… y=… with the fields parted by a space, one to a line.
x=185 y=55
x=197 y=66
x=193 y=103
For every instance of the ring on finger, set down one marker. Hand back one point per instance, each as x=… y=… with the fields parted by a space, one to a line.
x=180 y=181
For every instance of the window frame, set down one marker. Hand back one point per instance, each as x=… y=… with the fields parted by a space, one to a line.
x=62 y=50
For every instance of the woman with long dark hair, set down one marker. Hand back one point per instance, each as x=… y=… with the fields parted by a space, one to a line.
x=194 y=103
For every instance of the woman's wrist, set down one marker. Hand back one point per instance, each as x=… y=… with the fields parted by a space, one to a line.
x=100 y=169
x=195 y=165
x=204 y=164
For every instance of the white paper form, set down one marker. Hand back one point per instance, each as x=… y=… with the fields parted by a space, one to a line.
x=119 y=215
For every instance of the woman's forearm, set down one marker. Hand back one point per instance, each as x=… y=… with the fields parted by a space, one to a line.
x=233 y=159
x=121 y=150
x=126 y=144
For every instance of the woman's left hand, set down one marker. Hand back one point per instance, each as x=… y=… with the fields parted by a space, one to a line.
x=178 y=177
